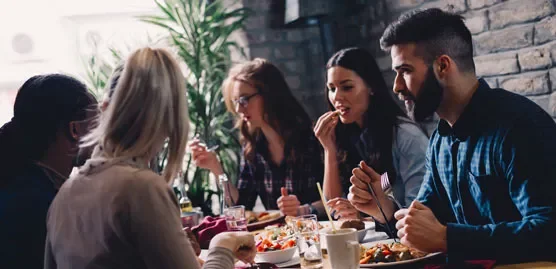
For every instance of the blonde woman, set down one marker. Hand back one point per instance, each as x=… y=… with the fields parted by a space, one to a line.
x=117 y=213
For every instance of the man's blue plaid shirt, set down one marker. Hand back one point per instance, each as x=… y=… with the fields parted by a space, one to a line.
x=491 y=178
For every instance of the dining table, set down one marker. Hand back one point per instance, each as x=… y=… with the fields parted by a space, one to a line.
x=438 y=261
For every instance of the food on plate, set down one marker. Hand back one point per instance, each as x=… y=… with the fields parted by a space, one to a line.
x=253 y=217
x=393 y=252
x=275 y=238
x=353 y=223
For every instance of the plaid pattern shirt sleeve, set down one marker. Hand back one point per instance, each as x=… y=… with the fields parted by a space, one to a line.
x=246 y=185
x=430 y=194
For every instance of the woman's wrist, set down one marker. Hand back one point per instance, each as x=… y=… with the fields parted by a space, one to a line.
x=304 y=210
x=218 y=171
x=330 y=151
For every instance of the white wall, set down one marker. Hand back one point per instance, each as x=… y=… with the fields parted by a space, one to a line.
x=54 y=36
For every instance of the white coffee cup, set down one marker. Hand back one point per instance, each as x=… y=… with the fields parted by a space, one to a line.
x=343 y=248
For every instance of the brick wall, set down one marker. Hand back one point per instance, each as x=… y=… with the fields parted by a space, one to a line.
x=297 y=52
x=514 y=41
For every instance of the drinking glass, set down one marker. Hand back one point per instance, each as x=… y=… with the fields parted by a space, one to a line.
x=235 y=218
x=308 y=241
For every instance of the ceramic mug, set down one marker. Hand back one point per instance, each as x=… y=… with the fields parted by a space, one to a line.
x=343 y=248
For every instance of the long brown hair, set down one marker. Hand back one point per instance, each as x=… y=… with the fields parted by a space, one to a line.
x=281 y=109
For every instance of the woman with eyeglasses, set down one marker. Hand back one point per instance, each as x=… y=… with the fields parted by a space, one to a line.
x=281 y=158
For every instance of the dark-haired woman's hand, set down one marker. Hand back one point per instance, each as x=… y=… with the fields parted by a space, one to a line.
x=361 y=198
x=203 y=158
x=288 y=203
x=343 y=209
x=324 y=130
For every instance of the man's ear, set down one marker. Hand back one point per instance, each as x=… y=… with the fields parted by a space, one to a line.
x=443 y=64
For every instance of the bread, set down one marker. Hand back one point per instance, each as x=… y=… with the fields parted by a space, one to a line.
x=354 y=223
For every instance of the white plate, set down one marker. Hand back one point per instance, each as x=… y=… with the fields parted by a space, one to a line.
x=378 y=265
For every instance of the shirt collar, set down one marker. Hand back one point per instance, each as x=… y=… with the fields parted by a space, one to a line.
x=471 y=118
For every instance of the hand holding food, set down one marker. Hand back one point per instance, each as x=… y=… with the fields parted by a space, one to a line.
x=418 y=227
x=325 y=130
x=288 y=204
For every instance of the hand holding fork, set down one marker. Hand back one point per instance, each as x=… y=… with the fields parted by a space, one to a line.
x=205 y=157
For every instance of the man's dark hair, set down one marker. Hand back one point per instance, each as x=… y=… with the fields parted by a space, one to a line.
x=435 y=33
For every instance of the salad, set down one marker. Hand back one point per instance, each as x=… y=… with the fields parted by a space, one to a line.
x=275 y=238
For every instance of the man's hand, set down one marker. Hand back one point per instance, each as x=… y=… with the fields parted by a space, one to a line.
x=418 y=227
x=288 y=204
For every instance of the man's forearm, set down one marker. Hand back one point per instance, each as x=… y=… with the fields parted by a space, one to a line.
x=521 y=241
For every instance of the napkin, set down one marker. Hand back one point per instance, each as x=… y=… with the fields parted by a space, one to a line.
x=208 y=228
x=473 y=264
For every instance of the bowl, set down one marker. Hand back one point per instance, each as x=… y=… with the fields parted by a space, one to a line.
x=362 y=233
x=276 y=256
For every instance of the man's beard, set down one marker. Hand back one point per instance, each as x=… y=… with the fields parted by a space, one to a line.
x=428 y=101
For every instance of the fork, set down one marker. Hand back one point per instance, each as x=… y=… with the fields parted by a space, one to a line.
x=203 y=143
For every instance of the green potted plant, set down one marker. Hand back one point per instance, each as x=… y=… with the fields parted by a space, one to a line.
x=200 y=32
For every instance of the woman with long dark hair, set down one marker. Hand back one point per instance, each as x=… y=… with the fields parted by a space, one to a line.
x=365 y=124
x=38 y=149
x=280 y=156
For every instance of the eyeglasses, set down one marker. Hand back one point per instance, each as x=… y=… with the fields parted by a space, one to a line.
x=244 y=100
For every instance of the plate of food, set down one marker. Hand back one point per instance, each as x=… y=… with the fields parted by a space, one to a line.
x=259 y=220
x=389 y=253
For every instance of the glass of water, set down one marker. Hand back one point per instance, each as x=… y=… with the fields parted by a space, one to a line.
x=235 y=218
x=308 y=241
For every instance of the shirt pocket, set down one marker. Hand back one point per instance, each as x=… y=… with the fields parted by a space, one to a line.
x=479 y=184
x=487 y=193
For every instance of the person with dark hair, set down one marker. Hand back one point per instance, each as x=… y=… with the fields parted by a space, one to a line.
x=280 y=159
x=488 y=189
x=365 y=126
x=38 y=148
